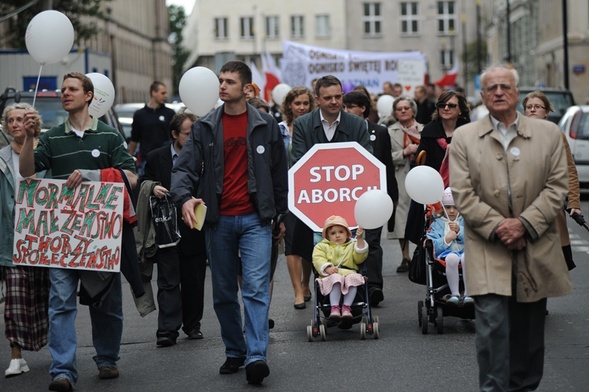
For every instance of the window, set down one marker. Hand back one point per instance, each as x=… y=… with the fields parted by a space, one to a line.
x=221 y=28
x=246 y=25
x=409 y=17
x=297 y=26
x=272 y=27
x=322 y=27
x=447 y=58
x=446 y=17
x=372 y=19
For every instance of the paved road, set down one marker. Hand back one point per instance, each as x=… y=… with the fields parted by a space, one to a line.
x=401 y=360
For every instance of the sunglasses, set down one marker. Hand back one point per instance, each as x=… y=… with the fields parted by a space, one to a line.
x=443 y=105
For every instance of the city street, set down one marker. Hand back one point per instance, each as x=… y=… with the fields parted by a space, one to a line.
x=403 y=359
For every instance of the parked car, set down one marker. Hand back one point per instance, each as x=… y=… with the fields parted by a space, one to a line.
x=125 y=113
x=48 y=104
x=561 y=100
x=575 y=125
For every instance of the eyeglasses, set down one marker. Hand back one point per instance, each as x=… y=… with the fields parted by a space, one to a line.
x=402 y=108
x=535 y=107
x=494 y=87
x=442 y=105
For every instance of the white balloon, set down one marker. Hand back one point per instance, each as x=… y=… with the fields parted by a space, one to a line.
x=373 y=209
x=104 y=94
x=424 y=184
x=279 y=92
x=49 y=37
x=384 y=105
x=199 y=90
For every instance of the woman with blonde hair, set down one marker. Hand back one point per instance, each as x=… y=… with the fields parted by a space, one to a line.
x=27 y=288
x=297 y=102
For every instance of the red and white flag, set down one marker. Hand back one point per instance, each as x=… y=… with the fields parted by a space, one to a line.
x=258 y=79
x=449 y=79
x=272 y=74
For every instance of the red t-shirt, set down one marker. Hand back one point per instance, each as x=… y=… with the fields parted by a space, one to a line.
x=235 y=199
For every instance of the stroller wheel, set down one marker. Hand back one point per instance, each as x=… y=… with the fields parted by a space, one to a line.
x=419 y=309
x=322 y=332
x=309 y=333
x=363 y=330
x=424 y=320
x=440 y=319
x=375 y=329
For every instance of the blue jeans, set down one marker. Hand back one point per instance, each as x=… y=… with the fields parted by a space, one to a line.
x=107 y=324
x=234 y=237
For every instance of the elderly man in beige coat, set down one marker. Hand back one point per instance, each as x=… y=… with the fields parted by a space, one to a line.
x=508 y=174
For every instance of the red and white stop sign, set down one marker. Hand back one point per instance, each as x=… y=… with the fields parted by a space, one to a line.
x=329 y=179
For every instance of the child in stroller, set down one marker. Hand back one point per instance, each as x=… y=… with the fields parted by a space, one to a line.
x=336 y=259
x=447 y=235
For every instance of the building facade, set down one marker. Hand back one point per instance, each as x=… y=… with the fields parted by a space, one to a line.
x=134 y=36
x=532 y=39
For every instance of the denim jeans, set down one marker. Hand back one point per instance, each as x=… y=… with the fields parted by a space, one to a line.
x=234 y=237
x=107 y=324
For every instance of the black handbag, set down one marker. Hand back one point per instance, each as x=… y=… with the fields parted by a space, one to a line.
x=165 y=221
x=417 y=265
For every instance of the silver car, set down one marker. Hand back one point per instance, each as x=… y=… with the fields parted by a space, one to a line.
x=575 y=124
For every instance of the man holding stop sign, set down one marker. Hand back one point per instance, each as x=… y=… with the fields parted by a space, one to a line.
x=327 y=124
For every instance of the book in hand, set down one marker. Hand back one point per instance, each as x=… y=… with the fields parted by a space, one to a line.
x=200 y=212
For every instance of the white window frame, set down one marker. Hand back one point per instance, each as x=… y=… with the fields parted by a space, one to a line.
x=447 y=19
x=297 y=26
x=272 y=27
x=409 y=18
x=246 y=27
x=372 y=19
x=322 y=26
x=447 y=58
x=221 y=28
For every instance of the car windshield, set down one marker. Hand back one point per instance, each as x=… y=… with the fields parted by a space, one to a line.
x=50 y=109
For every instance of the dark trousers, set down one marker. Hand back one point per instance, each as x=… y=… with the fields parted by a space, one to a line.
x=373 y=262
x=509 y=343
x=193 y=270
x=169 y=300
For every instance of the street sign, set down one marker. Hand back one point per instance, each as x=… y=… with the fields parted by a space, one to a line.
x=329 y=179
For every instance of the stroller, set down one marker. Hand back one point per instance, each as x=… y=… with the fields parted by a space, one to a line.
x=426 y=269
x=361 y=312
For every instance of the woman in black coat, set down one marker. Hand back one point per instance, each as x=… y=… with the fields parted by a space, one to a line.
x=451 y=112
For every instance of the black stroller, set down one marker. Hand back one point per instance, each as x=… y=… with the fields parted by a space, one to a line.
x=361 y=313
x=427 y=270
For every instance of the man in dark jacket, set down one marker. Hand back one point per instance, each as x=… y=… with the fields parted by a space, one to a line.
x=235 y=162
x=358 y=103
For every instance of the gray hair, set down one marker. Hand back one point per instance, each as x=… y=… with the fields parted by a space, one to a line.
x=501 y=66
x=405 y=98
x=21 y=105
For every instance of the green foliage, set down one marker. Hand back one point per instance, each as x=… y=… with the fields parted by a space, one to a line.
x=471 y=58
x=177 y=18
x=75 y=10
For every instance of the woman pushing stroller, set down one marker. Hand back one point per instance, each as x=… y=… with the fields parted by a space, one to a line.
x=336 y=259
x=447 y=235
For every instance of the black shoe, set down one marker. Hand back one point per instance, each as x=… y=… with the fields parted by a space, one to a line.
x=60 y=385
x=308 y=297
x=232 y=365
x=256 y=371
x=300 y=306
x=404 y=267
x=108 y=372
x=270 y=323
x=195 y=334
x=376 y=296
x=165 y=341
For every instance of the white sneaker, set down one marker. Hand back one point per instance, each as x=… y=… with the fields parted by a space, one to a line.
x=17 y=366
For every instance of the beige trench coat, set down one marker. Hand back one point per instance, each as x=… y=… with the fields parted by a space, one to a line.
x=529 y=181
x=402 y=167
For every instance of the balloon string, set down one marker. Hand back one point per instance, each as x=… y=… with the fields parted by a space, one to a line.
x=37 y=84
